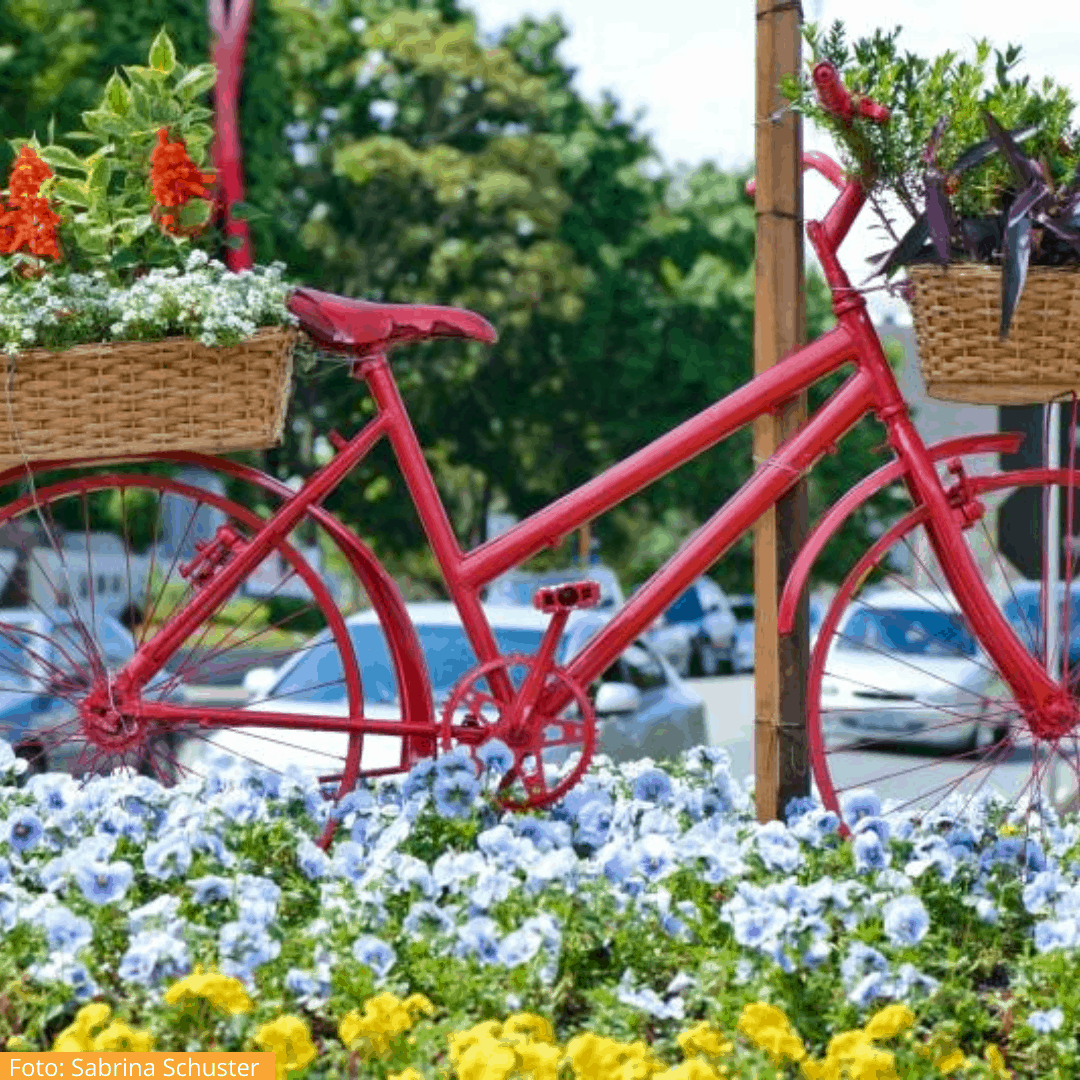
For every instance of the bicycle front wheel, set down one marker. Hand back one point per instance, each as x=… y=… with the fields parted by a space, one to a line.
x=96 y=562
x=901 y=697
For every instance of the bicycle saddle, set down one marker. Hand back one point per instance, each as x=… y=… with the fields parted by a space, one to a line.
x=362 y=326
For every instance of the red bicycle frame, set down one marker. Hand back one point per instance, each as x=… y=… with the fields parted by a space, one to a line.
x=871 y=387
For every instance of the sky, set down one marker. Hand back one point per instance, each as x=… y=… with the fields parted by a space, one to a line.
x=692 y=69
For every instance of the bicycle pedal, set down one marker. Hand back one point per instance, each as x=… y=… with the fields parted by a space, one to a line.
x=567 y=597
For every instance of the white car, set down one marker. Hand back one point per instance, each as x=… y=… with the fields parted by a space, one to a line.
x=520 y=586
x=643 y=707
x=906 y=668
x=701 y=620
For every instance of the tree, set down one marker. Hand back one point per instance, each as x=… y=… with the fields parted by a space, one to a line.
x=401 y=154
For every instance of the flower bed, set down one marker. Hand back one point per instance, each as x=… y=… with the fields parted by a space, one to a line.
x=648 y=919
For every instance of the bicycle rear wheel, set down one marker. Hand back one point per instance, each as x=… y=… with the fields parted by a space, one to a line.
x=96 y=561
x=902 y=699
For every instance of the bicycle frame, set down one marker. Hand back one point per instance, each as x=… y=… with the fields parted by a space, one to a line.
x=871 y=387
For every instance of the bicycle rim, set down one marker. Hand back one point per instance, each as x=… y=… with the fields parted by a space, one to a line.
x=903 y=701
x=92 y=555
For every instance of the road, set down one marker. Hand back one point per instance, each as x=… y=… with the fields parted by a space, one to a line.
x=906 y=775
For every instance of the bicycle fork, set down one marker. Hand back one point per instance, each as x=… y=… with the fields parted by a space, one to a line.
x=1047 y=706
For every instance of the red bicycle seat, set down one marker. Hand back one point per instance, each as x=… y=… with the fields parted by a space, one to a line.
x=362 y=326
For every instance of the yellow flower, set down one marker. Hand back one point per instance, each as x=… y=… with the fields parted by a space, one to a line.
x=415 y=1004
x=461 y=1041
x=79 y=1036
x=846 y=1045
x=889 y=1021
x=290 y=1041
x=15 y=1042
x=409 y=1074
x=829 y=1069
x=594 y=1057
x=872 y=1063
x=691 y=1069
x=997 y=1062
x=768 y=1027
x=703 y=1039
x=384 y=1017
x=758 y=1015
x=952 y=1061
x=118 y=1036
x=487 y=1059
x=223 y=991
x=540 y=1060
x=536 y=1027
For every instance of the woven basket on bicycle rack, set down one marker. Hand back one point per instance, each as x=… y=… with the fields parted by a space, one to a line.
x=956 y=311
x=135 y=397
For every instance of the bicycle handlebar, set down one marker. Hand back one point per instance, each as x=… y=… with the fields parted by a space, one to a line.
x=836 y=99
x=826 y=236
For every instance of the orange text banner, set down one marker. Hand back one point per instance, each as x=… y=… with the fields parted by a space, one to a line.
x=178 y=1066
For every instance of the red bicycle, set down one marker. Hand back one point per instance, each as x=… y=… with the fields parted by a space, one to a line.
x=1022 y=709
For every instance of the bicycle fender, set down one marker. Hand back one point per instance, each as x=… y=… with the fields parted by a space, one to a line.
x=840 y=511
x=413 y=683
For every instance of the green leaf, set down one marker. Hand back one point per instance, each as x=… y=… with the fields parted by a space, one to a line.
x=103 y=123
x=117 y=97
x=60 y=157
x=198 y=133
x=195 y=212
x=162 y=54
x=197 y=81
x=98 y=179
x=71 y=191
x=145 y=77
x=141 y=106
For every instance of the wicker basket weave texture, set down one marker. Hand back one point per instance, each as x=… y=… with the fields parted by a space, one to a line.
x=956 y=311
x=134 y=397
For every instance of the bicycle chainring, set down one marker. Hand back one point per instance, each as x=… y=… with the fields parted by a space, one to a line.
x=476 y=713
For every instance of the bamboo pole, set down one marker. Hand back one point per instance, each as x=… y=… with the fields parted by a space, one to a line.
x=780 y=746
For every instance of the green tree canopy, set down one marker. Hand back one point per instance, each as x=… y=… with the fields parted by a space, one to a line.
x=399 y=153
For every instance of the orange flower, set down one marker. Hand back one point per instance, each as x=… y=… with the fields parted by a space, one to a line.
x=175 y=179
x=28 y=220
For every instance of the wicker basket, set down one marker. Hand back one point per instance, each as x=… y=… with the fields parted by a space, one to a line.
x=957 y=310
x=135 y=397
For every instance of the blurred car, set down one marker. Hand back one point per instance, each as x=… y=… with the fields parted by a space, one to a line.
x=520 y=586
x=742 y=606
x=701 y=619
x=1023 y=608
x=642 y=706
x=39 y=654
x=906 y=668
x=674 y=641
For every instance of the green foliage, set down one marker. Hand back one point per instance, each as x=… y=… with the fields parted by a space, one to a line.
x=105 y=199
x=56 y=55
x=920 y=92
x=398 y=153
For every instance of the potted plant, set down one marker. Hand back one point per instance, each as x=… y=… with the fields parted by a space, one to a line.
x=989 y=173
x=117 y=324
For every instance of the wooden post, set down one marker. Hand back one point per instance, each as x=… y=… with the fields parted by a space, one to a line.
x=781 y=762
x=584 y=543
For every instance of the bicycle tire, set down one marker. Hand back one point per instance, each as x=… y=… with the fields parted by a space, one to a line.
x=63 y=508
x=875 y=708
